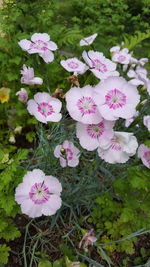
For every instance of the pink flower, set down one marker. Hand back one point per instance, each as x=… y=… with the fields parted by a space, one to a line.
x=144 y=155
x=146 y=121
x=121 y=56
x=45 y=108
x=28 y=76
x=88 y=40
x=74 y=65
x=92 y=136
x=40 y=44
x=100 y=65
x=38 y=194
x=68 y=154
x=23 y=95
x=82 y=106
x=88 y=240
x=122 y=146
x=116 y=98
x=139 y=76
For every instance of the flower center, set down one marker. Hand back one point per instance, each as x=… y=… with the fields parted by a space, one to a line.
x=116 y=143
x=121 y=58
x=95 y=130
x=45 y=109
x=147 y=157
x=86 y=105
x=98 y=65
x=115 y=99
x=39 y=44
x=39 y=193
x=73 y=65
x=68 y=153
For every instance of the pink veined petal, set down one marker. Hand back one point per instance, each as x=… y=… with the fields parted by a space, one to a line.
x=63 y=162
x=92 y=118
x=56 y=104
x=28 y=207
x=107 y=113
x=53 y=184
x=42 y=97
x=86 y=58
x=40 y=36
x=32 y=107
x=52 y=205
x=136 y=82
x=47 y=56
x=22 y=192
x=37 y=80
x=55 y=117
x=25 y=44
x=40 y=117
x=73 y=163
x=32 y=176
x=52 y=46
x=57 y=152
x=34 y=51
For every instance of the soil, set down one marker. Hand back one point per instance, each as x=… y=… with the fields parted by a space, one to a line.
x=54 y=252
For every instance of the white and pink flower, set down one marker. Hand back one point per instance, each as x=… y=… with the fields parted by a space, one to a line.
x=39 y=194
x=88 y=240
x=67 y=153
x=116 y=98
x=101 y=66
x=88 y=40
x=45 y=108
x=28 y=76
x=22 y=95
x=74 y=65
x=146 y=121
x=144 y=155
x=82 y=106
x=92 y=136
x=139 y=76
x=121 y=56
x=121 y=147
x=40 y=44
x=129 y=121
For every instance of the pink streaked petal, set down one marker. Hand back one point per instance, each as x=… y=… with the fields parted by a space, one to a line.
x=136 y=82
x=32 y=107
x=53 y=184
x=73 y=163
x=52 y=205
x=56 y=104
x=25 y=44
x=36 y=175
x=54 y=117
x=28 y=207
x=34 y=51
x=63 y=162
x=47 y=56
x=57 y=152
x=52 y=46
x=86 y=58
x=42 y=97
x=107 y=113
x=40 y=36
x=37 y=80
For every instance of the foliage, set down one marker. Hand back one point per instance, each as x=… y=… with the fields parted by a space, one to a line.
x=10 y=176
x=123 y=212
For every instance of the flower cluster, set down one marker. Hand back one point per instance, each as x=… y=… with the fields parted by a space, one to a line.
x=95 y=110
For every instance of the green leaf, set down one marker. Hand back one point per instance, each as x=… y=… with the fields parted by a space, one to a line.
x=45 y=263
x=4 y=253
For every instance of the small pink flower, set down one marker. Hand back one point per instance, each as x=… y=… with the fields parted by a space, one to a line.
x=139 y=76
x=88 y=40
x=116 y=98
x=144 y=155
x=121 y=147
x=92 y=136
x=40 y=44
x=88 y=240
x=68 y=154
x=23 y=95
x=45 y=108
x=121 y=56
x=38 y=194
x=74 y=65
x=146 y=121
x=28 y=76
x=101 y=66
x=82 y=106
